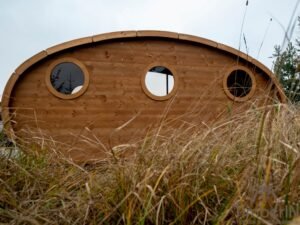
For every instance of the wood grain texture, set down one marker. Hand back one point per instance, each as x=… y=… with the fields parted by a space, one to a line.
x=69 y=44
x=114 y=35
x=154 y=33
x=29 y=62
x=196 y=39
x=114 y=109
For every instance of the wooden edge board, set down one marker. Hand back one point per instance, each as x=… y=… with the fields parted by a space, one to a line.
x=69 y=44
x=5 y=105
x=8 y=88
x=155 y=33
x=29 y=62
x=192 y=38
x=114 y=35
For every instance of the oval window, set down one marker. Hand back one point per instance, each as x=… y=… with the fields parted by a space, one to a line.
x=159 y=83
x=239 y=84
x=68 y=78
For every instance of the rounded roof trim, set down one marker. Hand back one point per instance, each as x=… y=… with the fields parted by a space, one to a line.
x=133 y=34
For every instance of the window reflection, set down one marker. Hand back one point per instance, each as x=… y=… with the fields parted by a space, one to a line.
x=67 y=78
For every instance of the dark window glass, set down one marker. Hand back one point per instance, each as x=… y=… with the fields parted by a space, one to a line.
x=239 y=83
x=67 y=78
x=159 y=81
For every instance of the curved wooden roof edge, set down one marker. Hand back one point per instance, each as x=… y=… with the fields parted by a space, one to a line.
x=118 y=35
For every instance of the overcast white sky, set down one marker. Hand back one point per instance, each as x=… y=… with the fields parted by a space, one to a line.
x=29 y=26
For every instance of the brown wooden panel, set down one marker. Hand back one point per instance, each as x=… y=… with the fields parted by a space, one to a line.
x=114 y=35
x=192 y=38
x=115 y=94
x=69 y=44
x=154 y=33
x=36 y=58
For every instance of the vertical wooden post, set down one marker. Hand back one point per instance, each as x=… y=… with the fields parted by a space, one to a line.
x=167 y=83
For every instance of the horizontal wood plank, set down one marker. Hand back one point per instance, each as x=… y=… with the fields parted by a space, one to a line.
x=115 y=94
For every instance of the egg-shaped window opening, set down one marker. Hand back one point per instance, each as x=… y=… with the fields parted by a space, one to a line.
x=67 y=78
x=159 y=82
x=239 y=84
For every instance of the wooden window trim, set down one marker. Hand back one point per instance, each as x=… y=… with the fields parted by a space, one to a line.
x=155 y=97
x=253 y=87
x=61 y=95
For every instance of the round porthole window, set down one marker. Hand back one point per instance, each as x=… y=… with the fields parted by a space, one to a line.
x=159 y=82
x=239 y=84
x=67 y=78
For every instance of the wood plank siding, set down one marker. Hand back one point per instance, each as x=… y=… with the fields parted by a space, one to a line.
x=86 y=126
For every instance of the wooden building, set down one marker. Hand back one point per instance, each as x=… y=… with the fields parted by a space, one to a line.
x=93 y=93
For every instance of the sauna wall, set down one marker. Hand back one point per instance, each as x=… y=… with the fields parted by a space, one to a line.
x=86 y=127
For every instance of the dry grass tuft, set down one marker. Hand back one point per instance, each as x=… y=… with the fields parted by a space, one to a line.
x=245 y=170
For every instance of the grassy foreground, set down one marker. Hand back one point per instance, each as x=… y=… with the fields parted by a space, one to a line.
x=245 y=170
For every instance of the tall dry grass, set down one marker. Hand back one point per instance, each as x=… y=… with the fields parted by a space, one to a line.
x=243 y=170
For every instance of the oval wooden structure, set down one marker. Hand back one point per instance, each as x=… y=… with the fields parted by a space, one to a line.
x=114 y=106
